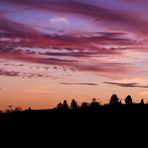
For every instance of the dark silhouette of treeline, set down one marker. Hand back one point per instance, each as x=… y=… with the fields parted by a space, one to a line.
x=114 y=103
x=73 y=112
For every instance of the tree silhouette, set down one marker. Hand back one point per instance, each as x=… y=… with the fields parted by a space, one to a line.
x=128 y=100
x=74 y=104
x=114 y=100
x=29 y=108
x=141 y=102
x=65 y=105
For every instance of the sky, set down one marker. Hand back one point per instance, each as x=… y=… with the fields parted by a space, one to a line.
x=52 y=50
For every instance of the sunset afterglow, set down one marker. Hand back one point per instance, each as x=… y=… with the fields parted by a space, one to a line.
x=52 y=50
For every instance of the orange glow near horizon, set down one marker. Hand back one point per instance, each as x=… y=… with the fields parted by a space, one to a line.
x=47 y=94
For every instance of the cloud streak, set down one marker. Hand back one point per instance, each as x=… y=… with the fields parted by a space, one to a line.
x=89 y=84
x=137 y=85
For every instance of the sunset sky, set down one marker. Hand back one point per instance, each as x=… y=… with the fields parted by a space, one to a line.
x=51 y=50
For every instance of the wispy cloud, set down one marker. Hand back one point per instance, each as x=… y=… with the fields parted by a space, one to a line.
x=90 y=84
x=126 y=84
x=131 y=1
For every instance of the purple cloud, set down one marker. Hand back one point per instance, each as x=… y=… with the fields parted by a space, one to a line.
x=116 y=18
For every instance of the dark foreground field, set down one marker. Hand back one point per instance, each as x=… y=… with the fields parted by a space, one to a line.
x=104 y=123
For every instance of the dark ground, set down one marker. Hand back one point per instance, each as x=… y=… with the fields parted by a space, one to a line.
x=101 y=126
